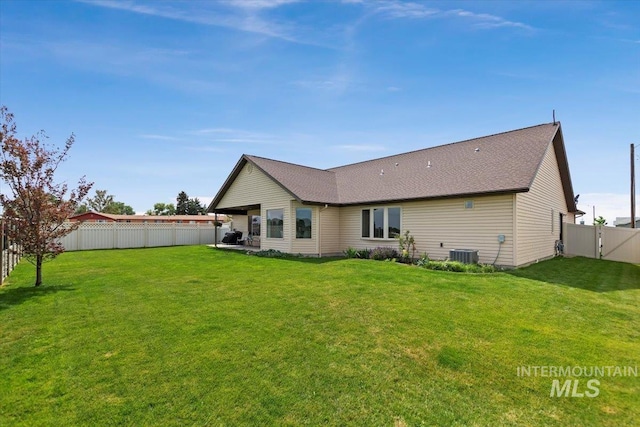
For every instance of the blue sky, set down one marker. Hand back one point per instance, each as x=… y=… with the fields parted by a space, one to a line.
x=165 y=96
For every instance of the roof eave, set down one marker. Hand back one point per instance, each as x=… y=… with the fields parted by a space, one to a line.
x=438 y=197
x=227 y=183
x=563 y=167
x=244 y=159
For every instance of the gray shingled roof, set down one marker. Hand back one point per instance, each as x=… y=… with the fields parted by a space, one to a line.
x=501 y=163
x=304 y=183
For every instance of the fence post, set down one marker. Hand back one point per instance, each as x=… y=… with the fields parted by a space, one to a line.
x=174 y=232
x=1 y=251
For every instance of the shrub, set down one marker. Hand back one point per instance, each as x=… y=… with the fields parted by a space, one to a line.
x=488 y=268
x=364 y=253
x=406 y=243
x=269 y=253
x=382 y=254
x=454 y=266
x=351 y=252
x=423 y=261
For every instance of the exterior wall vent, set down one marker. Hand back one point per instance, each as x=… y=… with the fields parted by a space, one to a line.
x=466 y=256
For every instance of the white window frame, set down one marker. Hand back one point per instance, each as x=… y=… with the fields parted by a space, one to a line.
x=385 y=209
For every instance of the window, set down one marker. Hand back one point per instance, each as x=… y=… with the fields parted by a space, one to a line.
x=275 y=223
x=386 y=223
x=303 y=223
x=393 y=228
x=378 y=223
x=366 y=218
x=468 y=204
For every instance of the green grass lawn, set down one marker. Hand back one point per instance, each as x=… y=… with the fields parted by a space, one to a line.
x=198 y=336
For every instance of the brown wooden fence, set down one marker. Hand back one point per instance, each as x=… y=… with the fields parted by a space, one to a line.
x=10 y=253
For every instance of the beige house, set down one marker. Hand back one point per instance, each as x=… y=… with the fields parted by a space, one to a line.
x=505 y=195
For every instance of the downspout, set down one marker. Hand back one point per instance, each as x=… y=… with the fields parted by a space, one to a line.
x=326 y=206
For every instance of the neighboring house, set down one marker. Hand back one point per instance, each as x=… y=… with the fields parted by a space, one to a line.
x=625 y=221
x=513 y=187
x=158 y=219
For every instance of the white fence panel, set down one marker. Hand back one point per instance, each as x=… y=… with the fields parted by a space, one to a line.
x=208 y=234
x=581 y=240
x=621 y=244
x=129 y=235
x=188 y=236
x=616 y=244
x=118 y=235
x=96 y=236
x=160 y=235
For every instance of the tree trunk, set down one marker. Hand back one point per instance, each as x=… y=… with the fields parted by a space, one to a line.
x=38 y=270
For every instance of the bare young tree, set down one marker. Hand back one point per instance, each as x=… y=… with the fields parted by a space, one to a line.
x=38 y=206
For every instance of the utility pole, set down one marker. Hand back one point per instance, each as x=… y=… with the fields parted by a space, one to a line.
x=633 y=188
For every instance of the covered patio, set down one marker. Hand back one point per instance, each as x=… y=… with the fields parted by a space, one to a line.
x=246 y=220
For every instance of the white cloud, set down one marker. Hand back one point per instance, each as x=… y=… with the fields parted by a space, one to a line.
x=487 y=21
x=234 y=136
x=204 y=13
x=259 y=4
x=607 y=205
x=409 y=10
x=395 y=9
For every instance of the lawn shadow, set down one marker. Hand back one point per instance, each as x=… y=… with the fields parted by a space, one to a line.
x=279 y=256
x=15 y=296
x=584 y=273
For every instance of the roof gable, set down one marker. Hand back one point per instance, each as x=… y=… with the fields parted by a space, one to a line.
x=496 y=164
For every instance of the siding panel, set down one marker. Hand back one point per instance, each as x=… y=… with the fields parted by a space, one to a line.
x=253 y=188
x=304 y=246
x=538 y=219
x=445 y=222
x=330 y=228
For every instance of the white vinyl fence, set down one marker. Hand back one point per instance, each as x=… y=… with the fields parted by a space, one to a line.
x=10 y=251
x=614 y=243
x=122 y=235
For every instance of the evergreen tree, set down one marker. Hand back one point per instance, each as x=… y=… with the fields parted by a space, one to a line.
x=182 y=203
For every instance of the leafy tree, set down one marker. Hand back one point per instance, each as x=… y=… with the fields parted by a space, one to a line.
x=119 y=208
x=600 y=221
x=162 y=209
x=105 y=203
x=182 y=203
x=37 y=206
x=100 y=202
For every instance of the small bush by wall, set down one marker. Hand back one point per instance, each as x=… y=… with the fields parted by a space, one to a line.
x=383 y=254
